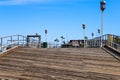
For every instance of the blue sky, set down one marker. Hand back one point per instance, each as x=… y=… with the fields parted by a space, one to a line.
x=59 y=17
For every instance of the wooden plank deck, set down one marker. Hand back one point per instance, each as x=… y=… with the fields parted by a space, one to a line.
x=59 y=64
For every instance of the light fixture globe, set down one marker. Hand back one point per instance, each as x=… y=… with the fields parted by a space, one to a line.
x=102 y=5
x=83 y=25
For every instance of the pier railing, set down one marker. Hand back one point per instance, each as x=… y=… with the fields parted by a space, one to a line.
x=11 y=41
x=108 y=39
x=115 y=45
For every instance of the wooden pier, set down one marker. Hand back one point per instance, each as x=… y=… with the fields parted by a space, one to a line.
x=59 y=64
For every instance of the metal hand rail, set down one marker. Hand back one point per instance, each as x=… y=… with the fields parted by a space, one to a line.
x=15 y=40
x=11 y=41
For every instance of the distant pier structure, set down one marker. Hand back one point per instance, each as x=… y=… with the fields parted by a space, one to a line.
x=8 y=42
x=33 y=42
x=107 y=39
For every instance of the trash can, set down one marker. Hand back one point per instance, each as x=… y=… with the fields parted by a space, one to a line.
x=45 y=44
x=0 y=50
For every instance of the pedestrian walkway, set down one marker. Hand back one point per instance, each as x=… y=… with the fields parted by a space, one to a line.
x=59 y=64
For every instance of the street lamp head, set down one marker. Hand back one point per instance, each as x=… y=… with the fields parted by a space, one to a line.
x=102 y=5
x=99 y=31
x=46 y=31
x=92 y=34
x=83 y=25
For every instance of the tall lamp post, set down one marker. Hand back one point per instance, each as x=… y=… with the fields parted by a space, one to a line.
x=46 y=31
x=83 y=26
x=102 y=7
x=92 y=39
x=99 y=37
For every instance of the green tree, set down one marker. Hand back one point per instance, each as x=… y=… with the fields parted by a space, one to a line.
x=56 y=41
x=62 y=37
